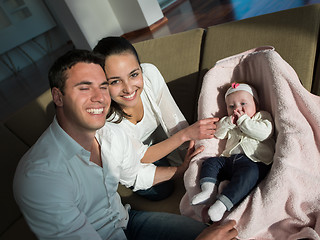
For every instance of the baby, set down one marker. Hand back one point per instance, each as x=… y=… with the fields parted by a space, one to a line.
x=248 y=154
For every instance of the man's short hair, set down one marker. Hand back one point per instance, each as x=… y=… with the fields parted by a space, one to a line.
x=58 y=72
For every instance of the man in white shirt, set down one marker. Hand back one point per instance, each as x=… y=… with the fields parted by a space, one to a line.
x=66 y=184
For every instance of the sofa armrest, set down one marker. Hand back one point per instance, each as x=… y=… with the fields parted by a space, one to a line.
x=32 y=120
x=12 y=149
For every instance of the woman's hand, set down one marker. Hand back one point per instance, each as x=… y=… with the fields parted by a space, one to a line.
x=202 y=129
x=192 y=151
x=166 y=173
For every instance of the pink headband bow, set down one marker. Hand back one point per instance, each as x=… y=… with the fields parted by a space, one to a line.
x=235 y=85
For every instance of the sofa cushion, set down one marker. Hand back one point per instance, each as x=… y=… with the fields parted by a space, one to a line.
x=12 y=149
x=31 y=121
x=293 y=33
x=177 y=57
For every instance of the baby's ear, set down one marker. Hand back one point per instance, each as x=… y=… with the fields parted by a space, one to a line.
x=57 y=97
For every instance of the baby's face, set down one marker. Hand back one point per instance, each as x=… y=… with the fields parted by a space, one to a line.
x=241 y=101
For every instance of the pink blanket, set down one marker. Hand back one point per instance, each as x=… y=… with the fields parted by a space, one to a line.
x=286 y=204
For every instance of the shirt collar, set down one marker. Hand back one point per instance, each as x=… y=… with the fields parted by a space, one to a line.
x=63 y=139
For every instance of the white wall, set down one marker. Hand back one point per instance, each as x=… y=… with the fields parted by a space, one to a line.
x=65 y=19
x=151 y=10
x=136 y=14
x=129 y=14
x=88 y=21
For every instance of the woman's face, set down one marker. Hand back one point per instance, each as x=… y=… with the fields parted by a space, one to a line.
x=125 y=79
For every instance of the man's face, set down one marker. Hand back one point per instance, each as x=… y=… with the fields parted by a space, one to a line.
x=86 y=99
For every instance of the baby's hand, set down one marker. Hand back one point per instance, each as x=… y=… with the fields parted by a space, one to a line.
x=234 y=119
x=236 y=114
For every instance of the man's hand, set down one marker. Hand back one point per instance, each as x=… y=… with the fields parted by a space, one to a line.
x=219 y=232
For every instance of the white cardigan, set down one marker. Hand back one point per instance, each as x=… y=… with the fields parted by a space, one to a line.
x=253 y=135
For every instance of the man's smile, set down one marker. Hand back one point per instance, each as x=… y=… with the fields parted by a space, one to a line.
x=95 y=110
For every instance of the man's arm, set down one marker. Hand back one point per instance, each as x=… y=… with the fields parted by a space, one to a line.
x=46 y=201
x=219 y=232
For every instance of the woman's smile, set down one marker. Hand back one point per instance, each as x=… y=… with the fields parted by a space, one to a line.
x=131 y=96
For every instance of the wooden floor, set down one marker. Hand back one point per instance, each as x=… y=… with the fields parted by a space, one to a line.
x=18 y=90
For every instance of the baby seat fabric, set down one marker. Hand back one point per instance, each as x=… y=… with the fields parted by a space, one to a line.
x=286 y=204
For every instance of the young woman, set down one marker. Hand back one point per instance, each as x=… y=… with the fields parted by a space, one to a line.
x=144 y=107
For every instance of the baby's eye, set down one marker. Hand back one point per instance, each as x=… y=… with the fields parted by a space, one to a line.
x=231 y=106
x=243 y=103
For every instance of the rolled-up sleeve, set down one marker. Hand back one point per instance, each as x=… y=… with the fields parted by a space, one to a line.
x=122 y=154
x=145 y=177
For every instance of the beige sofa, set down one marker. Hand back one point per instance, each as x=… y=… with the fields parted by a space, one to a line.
x=183 y=59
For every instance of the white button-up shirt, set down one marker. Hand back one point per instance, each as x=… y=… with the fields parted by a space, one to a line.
x=63 y=195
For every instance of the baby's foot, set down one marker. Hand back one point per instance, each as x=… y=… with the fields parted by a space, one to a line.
x=201 y=198
x=208 y=190
x=216 y=211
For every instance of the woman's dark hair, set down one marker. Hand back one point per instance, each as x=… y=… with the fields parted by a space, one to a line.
x=58 y=72
x=114 y=46
x=107 y=47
